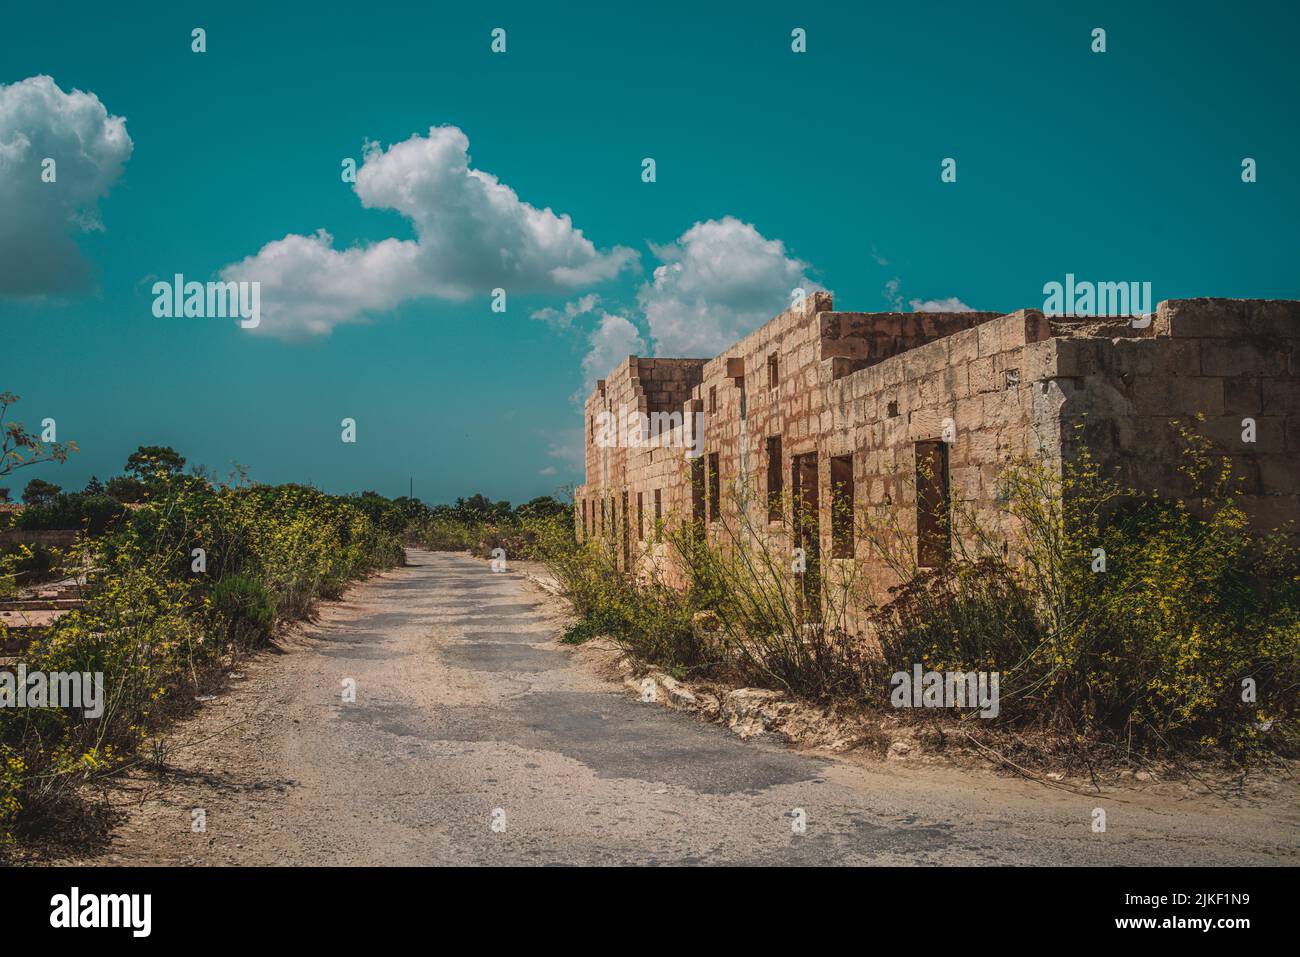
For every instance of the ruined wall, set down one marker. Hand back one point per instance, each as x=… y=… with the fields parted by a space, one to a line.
x=968 y=390
x=1227 y=360
x=879 y=393
x=652 y=387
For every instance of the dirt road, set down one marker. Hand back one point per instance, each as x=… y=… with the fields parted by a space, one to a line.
x=469 y=714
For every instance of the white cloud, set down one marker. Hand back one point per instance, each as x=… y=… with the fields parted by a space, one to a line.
x=612 y=341
x=563 y=318
x=719 y=281
x=568 y=446
x=473 y=234
x=891 y=293
x=549 y=470
x=951 y=304
x=38 y=220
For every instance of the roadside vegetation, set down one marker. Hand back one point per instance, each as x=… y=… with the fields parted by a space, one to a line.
x=479 y=525
x=1186 y=640
x=180 y=577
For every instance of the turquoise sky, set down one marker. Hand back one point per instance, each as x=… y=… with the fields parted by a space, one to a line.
x=1118 y=166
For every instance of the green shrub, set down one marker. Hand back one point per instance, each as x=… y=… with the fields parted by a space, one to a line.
x=448 y=535
x=91 y=512
x=1193 y=615
x=161 y=632
x=1154 y=652
x=30 y=563
x=648 y=618
x=244 y=609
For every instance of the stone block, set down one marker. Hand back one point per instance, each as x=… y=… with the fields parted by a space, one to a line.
x=1177 y=396
x=990 y=338
x=1228 y=318
x=1280 y=396
x=982 y=375
x=1242 y=395
x=1235 y=357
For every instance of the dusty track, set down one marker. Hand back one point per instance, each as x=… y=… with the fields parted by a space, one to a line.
x=465 y=704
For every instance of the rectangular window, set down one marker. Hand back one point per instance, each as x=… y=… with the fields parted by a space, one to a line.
x=640 y=520
x=585 y=533
x=659 y=515
x=842 y=506
x=772 y=371
x=697 y=495
x=713 y=399
x=602 y=515
x=805 y=519
x=715 y=488
x=774 y=478
x=933 y=538
x=627 y=545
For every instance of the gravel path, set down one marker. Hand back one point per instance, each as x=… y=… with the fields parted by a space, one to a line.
x=468 y=713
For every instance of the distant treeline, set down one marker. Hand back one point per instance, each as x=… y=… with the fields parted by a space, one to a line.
x=95 y=507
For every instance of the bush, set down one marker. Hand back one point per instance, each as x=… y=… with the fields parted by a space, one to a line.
x=1190 y=637
x=479 y=526
x=125 y=488
x=162 y=632
x=755 y=633
x=91 y=512
x=1155 y=651
x=448 y=535
x=25 y=564
x=244 y=609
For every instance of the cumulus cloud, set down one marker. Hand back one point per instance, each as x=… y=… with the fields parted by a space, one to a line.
x=719 y=281
x=39 y=220
x=473 y=234
x=563 y=318
x=951 y=304
x=612 y=341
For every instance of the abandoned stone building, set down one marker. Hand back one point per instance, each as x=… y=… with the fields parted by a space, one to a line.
x=822 y=413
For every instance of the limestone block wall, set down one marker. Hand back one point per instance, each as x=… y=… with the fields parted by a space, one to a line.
x=1228 y=360
x=613 y=470
x=870 y=395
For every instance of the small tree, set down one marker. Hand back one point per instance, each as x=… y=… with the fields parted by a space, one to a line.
x=124 y=488
x=150 y=462
x=480 y=508
x=544 y=506
x=40 y=492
